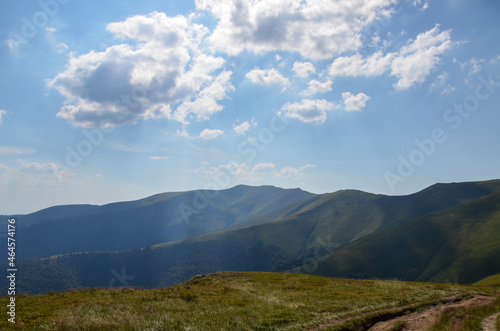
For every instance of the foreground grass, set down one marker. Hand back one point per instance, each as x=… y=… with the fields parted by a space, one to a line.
x=224 y=301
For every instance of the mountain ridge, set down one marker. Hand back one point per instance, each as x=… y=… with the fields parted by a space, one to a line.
x=302 y=236
x=139 y=223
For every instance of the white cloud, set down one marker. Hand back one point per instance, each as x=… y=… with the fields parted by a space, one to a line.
x=38 y=168
x=354 y=102
x=441 y=84
x=14 y=44
x=318 y=87
x=473 y=64
x=307 y=166
x=160 y=72
x=242 y=128
x=356 y=65
x=61 y=47
x=314 y=29
x=495 y=60
x=421 y=6
x=10 y=150
x=308 y=110
x=267 y=77
x=235 y=171
x=263 y=168
x=159 y=158
x=416 y=60
x=292 y=173
x=289 y=172
x=303 y=69
x=204 y=104
x=412 y=64
x=183 y=133
x=210 y=134
x=243 y=172
x=2 y=114
x=34 y=174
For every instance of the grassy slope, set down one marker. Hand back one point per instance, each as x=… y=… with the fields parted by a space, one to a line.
x=457 y=244
x=489 y=281
x=225 y=301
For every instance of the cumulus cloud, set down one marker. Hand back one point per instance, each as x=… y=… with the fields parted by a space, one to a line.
x=495 y=60
x=421 y=5
x=205 y=103
x=210 y=134
x=303 y=69
x=263 y=168
x=159 y=158
x=244 y=172
x=236 y=171
x=318 y=87
x=411 y=65
x=473 y=64
x=355 y=65
x=309 y=111
x=354 y=102
x=160 y=71
x=34 y=174
x=242 y=128
x=314 y=29
x=292 y=173
x=441 y=84
x=416 y=60
x=38 y=168
x=267 y=77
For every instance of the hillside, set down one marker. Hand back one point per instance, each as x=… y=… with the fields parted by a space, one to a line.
x=157 y=219
x=460 y=243
x=255 y=301
x=489 y=281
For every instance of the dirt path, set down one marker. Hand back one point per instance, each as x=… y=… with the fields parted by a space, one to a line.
x=424 y=320
x=420 y=320
x=489 y=323
x=394 y=311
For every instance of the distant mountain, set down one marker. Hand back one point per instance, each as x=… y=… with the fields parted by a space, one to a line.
x=457 y=244
x=157 y=219
x=330 y=221
x=447 y=232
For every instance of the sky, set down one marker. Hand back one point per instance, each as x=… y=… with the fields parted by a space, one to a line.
x=119 y=100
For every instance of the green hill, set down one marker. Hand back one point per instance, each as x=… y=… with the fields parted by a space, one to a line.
x=489 y=281
x=460 y=243
x=239 y=301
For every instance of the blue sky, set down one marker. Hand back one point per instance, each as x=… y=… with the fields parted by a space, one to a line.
x=102 y=102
